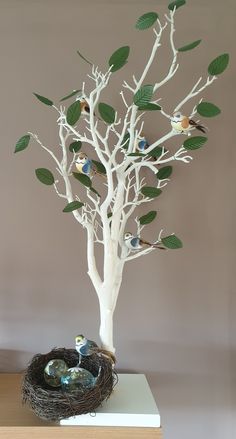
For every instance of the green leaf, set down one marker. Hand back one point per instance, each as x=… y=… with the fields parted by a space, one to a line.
x=143 y=95
x=194 y=142
x=99 y=167
x=95 y=192
x=119 y=58
x=219 y=64
x=148 y=218
x=107 y=113
x=156 y=152
x=136 y=154
x=151 y=192
x=172 y=242
x=44 y=100
x=146 y=20
x=75 y=146
x=189 y=46
x=149 y=107
x=73 y=93
x=22 y=143
x=125 y=141
x=74 y=205
x=164 y=172
x=73 y=113
x=45 y=176
x=176 y=4
x=206 y=109
x=85 y=59
x=84 y=179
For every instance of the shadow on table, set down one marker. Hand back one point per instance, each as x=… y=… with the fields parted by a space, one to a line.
x=13 y=361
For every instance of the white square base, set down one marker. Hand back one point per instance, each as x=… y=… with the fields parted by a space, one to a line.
x=130 y=405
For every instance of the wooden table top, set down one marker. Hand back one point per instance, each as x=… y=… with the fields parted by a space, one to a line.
x=19 y=422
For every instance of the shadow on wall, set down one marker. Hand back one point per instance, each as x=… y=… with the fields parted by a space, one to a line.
x=186 y=376
x=13 y=361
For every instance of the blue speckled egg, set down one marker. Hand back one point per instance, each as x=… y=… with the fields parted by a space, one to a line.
x=77 y=378
x=53 y=372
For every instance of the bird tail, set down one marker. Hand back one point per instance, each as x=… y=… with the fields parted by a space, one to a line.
x=197 y=126
x=107 y=354
x=201 y=128
x=142 y=241
x=100 y=174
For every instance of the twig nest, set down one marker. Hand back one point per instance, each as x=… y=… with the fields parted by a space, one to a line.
x=55 y=403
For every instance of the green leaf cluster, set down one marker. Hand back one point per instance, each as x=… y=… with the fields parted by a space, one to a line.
x=151 y=192
x=206 y=109
x=119 y=58
x=194 y=142
x=164 y=172
x=22 y=143
x=148 y=218
x=107 y=113
x=44 y=100
x=74 y=205
x=176 y=4
x=75 y=146
x=172 y=242
x=73 y=93
x=147 y=20
x=143 y=96
x=218 y=65
x=73 y=113
x=45 y=176
x=189 y=46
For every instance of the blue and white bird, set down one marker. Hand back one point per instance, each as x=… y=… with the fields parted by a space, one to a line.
x=141 y=144
x=84 y=164
x=84 y=346
x=135 y=243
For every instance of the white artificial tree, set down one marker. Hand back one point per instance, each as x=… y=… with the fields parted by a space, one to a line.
x=114 y=140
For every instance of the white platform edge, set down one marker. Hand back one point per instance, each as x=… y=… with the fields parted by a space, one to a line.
x=114 y=420
x=131 y=405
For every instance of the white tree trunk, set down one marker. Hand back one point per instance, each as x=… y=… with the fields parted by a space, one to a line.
x=106 y=328
x=107 y=296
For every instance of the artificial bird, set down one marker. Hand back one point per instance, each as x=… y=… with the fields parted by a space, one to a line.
x=86 y=347
x=136 y=243
x=183 y=124
x=84 y=165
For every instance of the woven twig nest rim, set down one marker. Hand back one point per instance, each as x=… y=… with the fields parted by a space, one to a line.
x=54 y=404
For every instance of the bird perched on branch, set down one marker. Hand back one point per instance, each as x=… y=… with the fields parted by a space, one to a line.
x=141 y=144
x=84 y=165
x=86 y=347
x=135 y=243
x=183 y=124
x=85 y=110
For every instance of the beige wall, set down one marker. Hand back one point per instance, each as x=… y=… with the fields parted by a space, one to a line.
x=173 y=316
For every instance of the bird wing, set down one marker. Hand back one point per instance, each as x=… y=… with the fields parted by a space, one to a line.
x=185 y=123
x=135 y=241
x=87 y=167
x=142 y=144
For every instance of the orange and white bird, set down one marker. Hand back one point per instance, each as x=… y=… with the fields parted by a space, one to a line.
x=85 y=110
x=183 y=124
